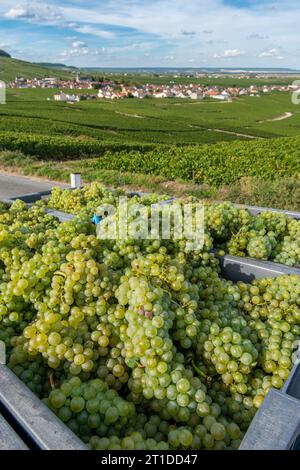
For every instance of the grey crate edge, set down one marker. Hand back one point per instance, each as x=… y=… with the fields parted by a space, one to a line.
x=9 y=439
x=31 y=197
x=257 y=210
x=43 y=428
x=292 y=384
x=276 y=424
x=60 y=215
x=236 y=268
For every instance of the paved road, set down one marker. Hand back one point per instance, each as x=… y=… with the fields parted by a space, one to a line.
x=17 y=185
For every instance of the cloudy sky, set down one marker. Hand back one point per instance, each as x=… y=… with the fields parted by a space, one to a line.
x=141 y=33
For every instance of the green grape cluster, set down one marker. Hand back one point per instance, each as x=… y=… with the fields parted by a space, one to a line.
x=223 y=220
x=90 y=197
x=31 y=370
x=90 y=408
x=265 y=330
x=288 y=250
x=260 y=247
x=134 y=441
x=232 y=355
x=267 y=236
x=75 y=200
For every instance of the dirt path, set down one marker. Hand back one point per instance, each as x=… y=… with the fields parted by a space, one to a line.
x=248 y=136
x=280 y=118
x=130 y=115
x=201 y=102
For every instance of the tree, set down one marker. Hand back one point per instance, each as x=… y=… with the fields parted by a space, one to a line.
x=4 y=54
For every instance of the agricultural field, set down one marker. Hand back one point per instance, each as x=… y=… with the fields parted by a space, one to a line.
x=236 y=151
x=211 y=164
x=167 y=79
x=165 y=121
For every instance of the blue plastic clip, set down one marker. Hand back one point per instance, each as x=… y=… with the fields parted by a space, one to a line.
x=96 y=219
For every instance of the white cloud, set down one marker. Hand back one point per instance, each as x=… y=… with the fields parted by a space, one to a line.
x=105 y=52
x=19 y=12
x=34 y=11
x=230 y=53
x=70 y=53
x=233 y=53
x=93 y=31
x=78 y=44
x=78 y=49
x=128 y=48
x=271 y=53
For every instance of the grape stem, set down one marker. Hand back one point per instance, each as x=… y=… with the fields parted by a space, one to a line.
x=199 y=371
x=60 y=273
x=51 y=381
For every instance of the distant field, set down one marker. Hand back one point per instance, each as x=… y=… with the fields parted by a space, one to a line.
x=166 y=121
x=220 y=81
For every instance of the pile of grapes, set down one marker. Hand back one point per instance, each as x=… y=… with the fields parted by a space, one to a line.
x=140 y=344
x=267 y=236
x=90 y=197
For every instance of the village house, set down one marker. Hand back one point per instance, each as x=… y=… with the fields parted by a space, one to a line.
x=49 y=82
x=66 y=98
x=221 y=97
x=196 y=96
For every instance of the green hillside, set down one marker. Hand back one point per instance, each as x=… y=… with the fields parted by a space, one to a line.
x=10 y=68
x=63 y=67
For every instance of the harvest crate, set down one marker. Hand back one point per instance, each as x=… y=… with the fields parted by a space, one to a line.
x=275 y=426
x=9 y=439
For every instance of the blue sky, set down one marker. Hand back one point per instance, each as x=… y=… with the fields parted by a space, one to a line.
x=149 y=33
